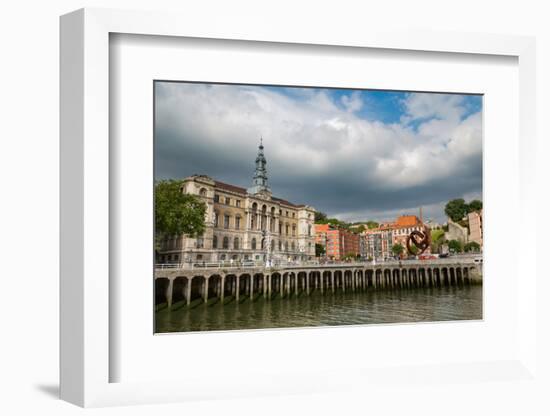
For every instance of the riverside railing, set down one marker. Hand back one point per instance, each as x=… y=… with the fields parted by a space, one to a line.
x=299 y=264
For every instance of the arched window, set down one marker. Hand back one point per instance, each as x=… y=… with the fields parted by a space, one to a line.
x=215 y=242
x=286 y=245
x=226 y=242
x=253 y=245
x=293 y=246
x=226 y=221
x=236 y=243
x=280 y=245
x=216 y=218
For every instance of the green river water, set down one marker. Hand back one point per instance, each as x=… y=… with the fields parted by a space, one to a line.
x=371 y=307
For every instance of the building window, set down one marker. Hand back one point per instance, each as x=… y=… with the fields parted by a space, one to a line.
x=238 y=203
x=228 y=201
x=280 y=245
x=216 y=198
x=215 y=242
x=294 y=230
x=293 y=215
x=309 y=230
x=216 y=218
x=226 y=242
x=226 y=221
x=286 y=229
x=237 y=222
x=272 y=245
x=253 y=245
x=293 y=246
x=200 y=241
x=280 y=228
x=286 y=245
x=236 y=243
x=202 y=192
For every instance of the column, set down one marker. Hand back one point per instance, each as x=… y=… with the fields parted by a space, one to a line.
x=307 y=283
x=188 y=290
x=169 y=291
x=332 y=280
x=344 y=281
x=251 y=286
x=281 y=284
x=237 y=278
x=321 y=277
x=205 y=291
x=222 y=282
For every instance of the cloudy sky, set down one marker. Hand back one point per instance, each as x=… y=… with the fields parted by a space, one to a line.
x=353 y=154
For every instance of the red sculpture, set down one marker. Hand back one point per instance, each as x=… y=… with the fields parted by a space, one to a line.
x=420 y=239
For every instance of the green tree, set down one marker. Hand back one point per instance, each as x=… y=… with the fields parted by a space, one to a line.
x=438 y=238
x=319 y=250
x=359 y=229
x=475 y=205
x=456 y=209
x=320 y=217
x=414 y=250
x=397 y=249
x=177 y=213
x=471 y=246
x=455 y=246
x=372 y=224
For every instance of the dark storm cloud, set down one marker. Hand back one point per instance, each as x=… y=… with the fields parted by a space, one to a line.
x=322 y=152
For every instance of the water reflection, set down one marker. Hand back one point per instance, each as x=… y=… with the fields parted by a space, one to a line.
x=411 y=305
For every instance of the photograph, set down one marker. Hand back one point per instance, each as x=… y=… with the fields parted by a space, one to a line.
x=281 y=206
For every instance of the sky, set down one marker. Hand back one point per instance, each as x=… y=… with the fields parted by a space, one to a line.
x=355 y=155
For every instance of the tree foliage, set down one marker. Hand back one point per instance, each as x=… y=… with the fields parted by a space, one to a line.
x=472 y=246
x=319 y=250
x=372 y=224
x=359 y=229
x=475 y=205
x=455 y=246
x=177 y=213
x=456 y=209
x=397 y=249
x=320 y=217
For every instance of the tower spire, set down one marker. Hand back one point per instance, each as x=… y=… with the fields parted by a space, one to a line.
x=259 y=182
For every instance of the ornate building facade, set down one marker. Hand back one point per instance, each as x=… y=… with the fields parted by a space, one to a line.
x=244 y=224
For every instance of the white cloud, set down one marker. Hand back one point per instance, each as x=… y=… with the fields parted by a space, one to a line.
x=308 y=136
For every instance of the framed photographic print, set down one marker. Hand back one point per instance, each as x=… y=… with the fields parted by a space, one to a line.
x=291 y=212
x=385 y=236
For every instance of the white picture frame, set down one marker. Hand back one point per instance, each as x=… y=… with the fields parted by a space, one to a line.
x=85 y=211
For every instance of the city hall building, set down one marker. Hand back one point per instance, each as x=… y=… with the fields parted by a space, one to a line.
x=244 y=224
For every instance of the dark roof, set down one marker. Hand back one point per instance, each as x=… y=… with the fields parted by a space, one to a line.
x=282 y=201
x=242 y=191
x=230 y=188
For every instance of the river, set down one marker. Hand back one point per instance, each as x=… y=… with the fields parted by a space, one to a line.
x=371 y=307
